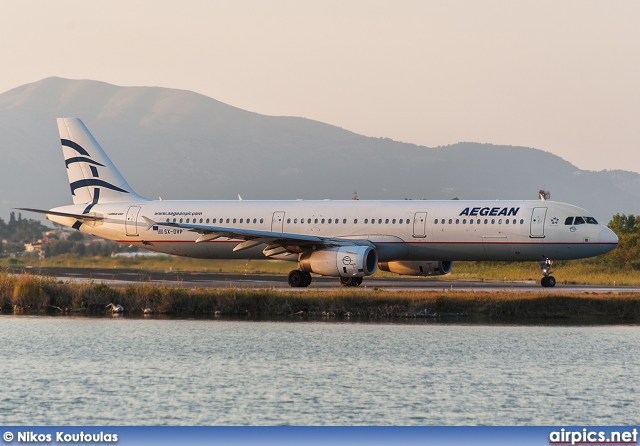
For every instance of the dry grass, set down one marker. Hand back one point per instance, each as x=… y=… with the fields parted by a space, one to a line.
x=26 y=293
x=588 y=272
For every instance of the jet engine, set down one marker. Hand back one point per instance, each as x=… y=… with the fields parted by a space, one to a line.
x=343 y=261
x=418 y=268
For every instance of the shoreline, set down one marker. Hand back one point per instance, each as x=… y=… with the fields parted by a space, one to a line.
x=27 y=294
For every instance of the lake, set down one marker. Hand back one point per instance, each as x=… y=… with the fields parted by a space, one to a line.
x=135 y=371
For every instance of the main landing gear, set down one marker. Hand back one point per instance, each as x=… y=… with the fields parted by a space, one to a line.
x=299 y=278
x=350 y=281
x=548 y=280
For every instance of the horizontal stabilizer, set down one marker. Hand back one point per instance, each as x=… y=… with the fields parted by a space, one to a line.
x=81 y=217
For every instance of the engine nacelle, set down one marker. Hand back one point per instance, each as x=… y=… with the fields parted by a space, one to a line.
x=343 y=261
x=418 y=268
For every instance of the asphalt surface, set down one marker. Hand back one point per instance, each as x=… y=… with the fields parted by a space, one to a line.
x=123 y=277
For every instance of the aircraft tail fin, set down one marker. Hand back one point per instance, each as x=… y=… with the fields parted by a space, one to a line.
x=92 y=176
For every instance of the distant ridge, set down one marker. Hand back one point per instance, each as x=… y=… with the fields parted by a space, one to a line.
x=180 y=144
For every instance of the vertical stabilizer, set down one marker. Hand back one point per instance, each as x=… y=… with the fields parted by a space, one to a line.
x=92 y=176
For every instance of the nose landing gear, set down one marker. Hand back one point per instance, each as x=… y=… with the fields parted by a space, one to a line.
x=548 y=280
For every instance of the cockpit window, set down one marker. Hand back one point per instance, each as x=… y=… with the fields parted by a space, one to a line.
x=579 y=221
x=568 y=221
x=591 y=220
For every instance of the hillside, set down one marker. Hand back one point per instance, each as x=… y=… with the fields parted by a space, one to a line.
x=179 y=144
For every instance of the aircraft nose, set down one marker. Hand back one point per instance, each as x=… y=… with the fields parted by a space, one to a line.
x=608 y=240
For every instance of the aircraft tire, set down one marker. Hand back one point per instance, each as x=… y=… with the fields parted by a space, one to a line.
x=548 y=281
x=346 y=281
x=307 y=279
x=350 y=281
x=296 y=278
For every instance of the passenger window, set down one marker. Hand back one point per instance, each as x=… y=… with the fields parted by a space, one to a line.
x=591 y=221
x=499 y=221
x=386 y=222
x=435 y=221
x=486 y=221
x=288 y=220
x=308 y=220
x=373 y=221
x=241 y=220
x=329 y=221
x=167 y=220
x=200 y=220
x=493 y=221
x=464 y=221
x=471 y=221
x=366 y=220
x=302 y=221
x=234 y=220
x=514 y=221
x=355 y=220
x=506 y=221
x=579 y=221
x=261 y=220
x=379 y=221
x=450 y=221
x=227 y=220
x=180 y=220
x=187 y=221
x=521 y=221
x=295 y=220
x=393 y=221
x=400 y=221
x=457 y=221
x=344 y=221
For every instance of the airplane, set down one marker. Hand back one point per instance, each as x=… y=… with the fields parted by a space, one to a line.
x=346 y=239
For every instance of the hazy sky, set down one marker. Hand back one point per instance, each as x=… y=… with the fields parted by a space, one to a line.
x=562 y=76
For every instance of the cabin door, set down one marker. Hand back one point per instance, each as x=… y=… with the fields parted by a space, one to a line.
x=130 y=223
x=419 y=225
x=277 y=222
x=537 y=222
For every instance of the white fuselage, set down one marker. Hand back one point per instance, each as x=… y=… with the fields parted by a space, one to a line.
x=400 y=230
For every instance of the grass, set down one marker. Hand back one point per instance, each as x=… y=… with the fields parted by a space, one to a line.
x=589 y=272
x=34 y=294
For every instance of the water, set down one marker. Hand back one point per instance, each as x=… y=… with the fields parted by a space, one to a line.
x=86 y=371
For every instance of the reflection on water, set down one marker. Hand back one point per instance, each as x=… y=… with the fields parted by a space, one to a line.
x=79 y=371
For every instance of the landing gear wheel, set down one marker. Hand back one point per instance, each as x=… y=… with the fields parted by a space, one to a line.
x=299 y=278
x=307 y=278
x=350 y=281
x=548 y=280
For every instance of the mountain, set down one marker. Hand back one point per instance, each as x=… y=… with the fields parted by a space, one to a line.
x=180 y=144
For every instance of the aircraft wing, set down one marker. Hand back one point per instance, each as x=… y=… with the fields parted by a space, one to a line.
x=277 y=242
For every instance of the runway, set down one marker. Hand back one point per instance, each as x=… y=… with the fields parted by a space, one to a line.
x=123 y=277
